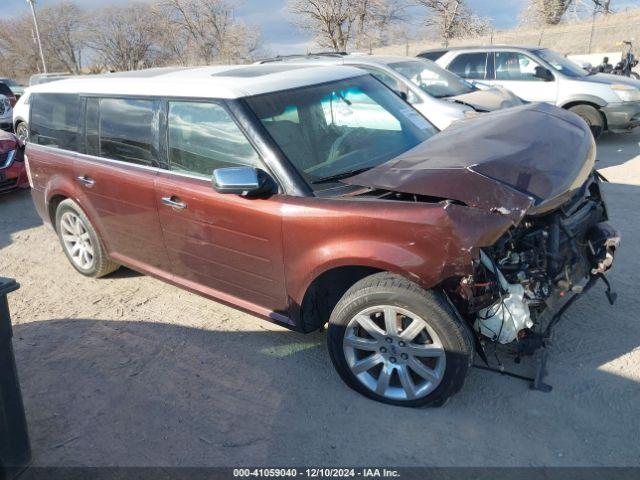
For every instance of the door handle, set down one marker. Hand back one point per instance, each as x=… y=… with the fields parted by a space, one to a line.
x=174 y=202
x=86 y=180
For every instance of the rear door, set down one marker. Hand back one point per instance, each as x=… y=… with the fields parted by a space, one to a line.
x=226 y=246
x=115 y=173
x=515 y=71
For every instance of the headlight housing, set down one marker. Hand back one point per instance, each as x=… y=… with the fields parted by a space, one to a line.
x=626 y=93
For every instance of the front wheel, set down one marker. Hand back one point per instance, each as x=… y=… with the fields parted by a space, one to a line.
x=592 y=116
x=396 y=343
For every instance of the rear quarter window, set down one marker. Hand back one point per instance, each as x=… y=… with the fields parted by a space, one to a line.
x=54 y=120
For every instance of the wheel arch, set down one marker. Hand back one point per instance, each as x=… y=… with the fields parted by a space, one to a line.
x=590 y=103
x=52 y=206
x=325 y=290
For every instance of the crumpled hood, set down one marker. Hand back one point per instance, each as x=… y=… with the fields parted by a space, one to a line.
x=488 y=100
x=512 y=161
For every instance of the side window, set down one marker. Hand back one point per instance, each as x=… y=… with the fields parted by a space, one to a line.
x=54 y=120
x=203 y=137
x=354 y=109
x=470 y=65
x=516 y=67
x=126 y=130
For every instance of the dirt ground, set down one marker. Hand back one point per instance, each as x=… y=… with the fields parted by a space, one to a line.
x=129 y=371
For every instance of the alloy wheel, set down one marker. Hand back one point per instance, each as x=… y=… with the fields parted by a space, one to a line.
x=394 y=353
x=22 y=132
x=77 y=241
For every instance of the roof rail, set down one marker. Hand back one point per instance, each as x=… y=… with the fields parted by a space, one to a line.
x=281 y=58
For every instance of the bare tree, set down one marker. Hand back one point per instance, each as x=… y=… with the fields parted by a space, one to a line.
x=377 y=18
x=453 y=18
x=550 y=12
x=340 y=24
x=19 y=51
x=124 y=38
x=63 y=35
x=205 y=31
x=333 y=22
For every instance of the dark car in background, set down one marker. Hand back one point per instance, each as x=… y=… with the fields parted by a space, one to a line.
x=13 y=174
x=8 y=93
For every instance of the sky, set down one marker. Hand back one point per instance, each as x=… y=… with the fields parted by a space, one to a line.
x=281 y=37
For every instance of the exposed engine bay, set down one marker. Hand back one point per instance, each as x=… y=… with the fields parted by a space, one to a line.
x=524 y=275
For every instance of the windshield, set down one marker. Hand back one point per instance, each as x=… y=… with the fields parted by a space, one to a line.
x=562 y=64
x=336 y=129
x=434 y=80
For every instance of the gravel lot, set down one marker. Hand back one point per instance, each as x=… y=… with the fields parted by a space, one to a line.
x=129 y=371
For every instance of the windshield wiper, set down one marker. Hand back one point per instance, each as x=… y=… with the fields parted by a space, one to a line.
x=340 y=176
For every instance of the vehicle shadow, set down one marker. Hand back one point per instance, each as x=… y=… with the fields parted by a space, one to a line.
x=19 y=200
x=136 y=393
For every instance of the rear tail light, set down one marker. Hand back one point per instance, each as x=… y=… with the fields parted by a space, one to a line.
x=26 y=166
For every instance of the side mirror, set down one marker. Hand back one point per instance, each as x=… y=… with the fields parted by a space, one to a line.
x=244 y=181
x=587 y=66
x=544 y=74
x=402 y=95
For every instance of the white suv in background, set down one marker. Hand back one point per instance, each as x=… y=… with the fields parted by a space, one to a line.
x=21 y=117
x=535 y=74
x=441 y=97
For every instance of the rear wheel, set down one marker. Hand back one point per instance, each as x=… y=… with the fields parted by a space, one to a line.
x=22 y=132
x=399 y=344
x=592 y=116
x=80 y=242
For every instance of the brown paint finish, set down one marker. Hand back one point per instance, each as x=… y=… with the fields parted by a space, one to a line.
x=120 y=201
x=424 y=242
x=224 y=243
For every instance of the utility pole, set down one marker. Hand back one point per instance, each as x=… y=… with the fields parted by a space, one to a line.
x=35 y=21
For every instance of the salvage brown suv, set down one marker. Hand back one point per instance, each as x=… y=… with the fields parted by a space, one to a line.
x=315 y=195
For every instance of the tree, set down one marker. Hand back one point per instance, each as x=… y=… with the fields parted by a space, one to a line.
x=453 y=18
x=203 y=31
x=124 y=38
x=63 y=35
x=340 y=24
x=333 y=22
x=550 y=12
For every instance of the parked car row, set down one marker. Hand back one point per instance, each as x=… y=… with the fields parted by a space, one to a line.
x=604 y=101
x=307 y=192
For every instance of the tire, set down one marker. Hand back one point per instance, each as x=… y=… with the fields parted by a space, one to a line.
x=22 y=132
x=77 y=236
x=442 y=346
x=592 y=116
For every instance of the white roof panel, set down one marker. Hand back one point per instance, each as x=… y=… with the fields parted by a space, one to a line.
x=229 y=81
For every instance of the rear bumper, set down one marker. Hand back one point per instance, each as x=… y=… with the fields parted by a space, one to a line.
x=622 y=116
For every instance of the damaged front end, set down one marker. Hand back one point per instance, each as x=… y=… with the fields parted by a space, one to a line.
x=527 y=213
x=538 y=265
